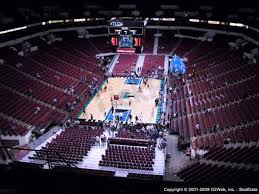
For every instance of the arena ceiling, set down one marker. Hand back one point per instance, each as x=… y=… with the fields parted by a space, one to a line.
x=14 y=12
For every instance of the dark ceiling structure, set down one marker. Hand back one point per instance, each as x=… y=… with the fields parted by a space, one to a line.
x=15 y=13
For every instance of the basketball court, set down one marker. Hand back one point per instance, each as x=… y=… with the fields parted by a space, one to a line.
x=124 y=96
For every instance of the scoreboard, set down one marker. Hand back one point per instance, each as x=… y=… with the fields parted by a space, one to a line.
x=126 y=35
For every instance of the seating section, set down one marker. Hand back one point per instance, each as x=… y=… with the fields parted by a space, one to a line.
x=8 y=127
x=185 y=46
x=128 y=157
x=124 y=64
x=41 y=81
x=240 y=135
x=208 y=50
x=70 y=146
x=23 y=109
x=80 y=62
x=214 y=104
x=208 y=174
x=59 y=65
x=87 y=48
x=153 y=63
x=49 y=76
x=40 y=91
x=218 y=92
x=167 y=42
x=224 y=117
x=136 y=132
x=214 y=108
x=247 y=154
x=215 y=98
x=101 y=44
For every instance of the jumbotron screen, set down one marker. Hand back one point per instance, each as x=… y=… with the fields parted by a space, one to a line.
x=126 y=41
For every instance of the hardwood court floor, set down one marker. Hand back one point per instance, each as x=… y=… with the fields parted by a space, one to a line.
x=142 y=102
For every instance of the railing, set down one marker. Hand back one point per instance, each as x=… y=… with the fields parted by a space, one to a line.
x=44 y=137
x=13 y=156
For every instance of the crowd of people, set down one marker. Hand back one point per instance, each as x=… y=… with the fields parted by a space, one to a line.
x=101 y=140
x=93 y=87
x=151 y=132
x=70 y=90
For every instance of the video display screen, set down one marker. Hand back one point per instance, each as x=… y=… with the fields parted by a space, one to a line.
x=126 y=41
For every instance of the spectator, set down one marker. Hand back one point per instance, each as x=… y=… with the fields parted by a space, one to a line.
x=117 y=117
x=145 y=82
x=143 y=129
x=227 y=140
x=156 y=101
x=189 y=93
x=136 y=119
x=216 y=127
x=141 y=117
x=82 y=80
x=68 y=106
x=29 y=92
x=38 y=75
x=97 y=140
x=56 y=77
x=161 y=134
x=198 y=128
x=72 y=90
x=12 y=126
x=37 y=110
x=170 y=90
x=130 y=117
x=208 y=110
x=160 y=93
x=18 y=65
x=102 y=139
x=78 y=99
x=113 y=129
x=112 y=109
x=55 y=101
x=163 y=143
x=1 y=61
